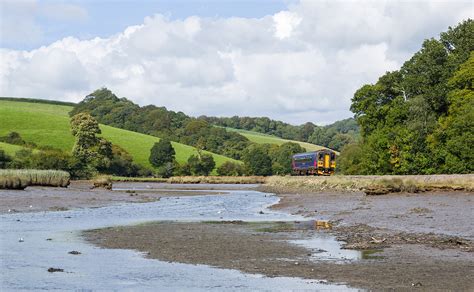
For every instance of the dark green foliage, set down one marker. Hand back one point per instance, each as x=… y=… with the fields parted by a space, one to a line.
x=256 y=160
x=4 y=159
x=418 y=120
x=336 y=135
x=166 y=170
x=229 y=168
x=201 y=164
x=281 y=157
x=161 y=153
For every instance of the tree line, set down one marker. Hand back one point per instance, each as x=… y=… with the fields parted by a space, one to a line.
x=333 y=136
x=419 y=119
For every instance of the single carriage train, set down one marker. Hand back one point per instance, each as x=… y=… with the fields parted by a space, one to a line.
x=322 y=162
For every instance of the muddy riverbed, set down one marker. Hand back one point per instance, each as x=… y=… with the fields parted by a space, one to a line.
x=395 y=241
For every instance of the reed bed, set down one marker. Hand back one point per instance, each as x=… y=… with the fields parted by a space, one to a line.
x=372 y=185
x=22 y=178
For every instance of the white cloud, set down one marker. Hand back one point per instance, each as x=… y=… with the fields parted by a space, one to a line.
x=299 y=65
x=285 y=23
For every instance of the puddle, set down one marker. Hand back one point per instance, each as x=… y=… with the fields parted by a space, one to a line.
x=325 y=247
x=48 y=237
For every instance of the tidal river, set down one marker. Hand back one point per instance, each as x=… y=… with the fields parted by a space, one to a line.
x=30 y=243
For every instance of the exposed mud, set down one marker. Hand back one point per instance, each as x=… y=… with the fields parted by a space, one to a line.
x=81 y=194
x=265 y=248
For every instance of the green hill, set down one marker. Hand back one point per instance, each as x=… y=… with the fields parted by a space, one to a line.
x=9 y=148
x=48 y=124
x=269 y=139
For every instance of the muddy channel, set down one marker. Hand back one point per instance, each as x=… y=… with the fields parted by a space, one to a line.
x=142 y=236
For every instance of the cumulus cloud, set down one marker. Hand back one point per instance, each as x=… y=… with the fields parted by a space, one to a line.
x=299 y=65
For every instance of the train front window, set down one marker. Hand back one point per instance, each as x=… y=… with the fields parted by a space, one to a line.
x=333 y=156
x=321 y=156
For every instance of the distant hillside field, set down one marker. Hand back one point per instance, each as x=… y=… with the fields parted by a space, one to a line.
x=48 y=124
x=268 y=139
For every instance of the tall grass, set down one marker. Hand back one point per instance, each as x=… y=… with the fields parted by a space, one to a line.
x=21 y=178
x=372 y=185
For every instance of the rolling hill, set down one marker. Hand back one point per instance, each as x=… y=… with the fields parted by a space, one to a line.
x=269 y=139
x=48 y=124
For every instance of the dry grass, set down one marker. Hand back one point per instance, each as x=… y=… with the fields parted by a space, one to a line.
x=217 y=180
x=102 y=182
x=372 y=185
x=21 y=178
x=196 y=179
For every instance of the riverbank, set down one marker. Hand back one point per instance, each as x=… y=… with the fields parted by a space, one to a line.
x=371 y=185
x=82 y=194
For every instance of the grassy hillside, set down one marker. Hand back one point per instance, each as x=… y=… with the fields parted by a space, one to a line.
x=48 y=124
x=268 y=139
x=9 y=148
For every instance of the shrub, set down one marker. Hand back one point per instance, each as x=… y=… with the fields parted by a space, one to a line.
x=229 y=168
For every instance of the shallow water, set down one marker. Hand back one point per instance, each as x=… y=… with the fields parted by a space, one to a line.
x=24 y=264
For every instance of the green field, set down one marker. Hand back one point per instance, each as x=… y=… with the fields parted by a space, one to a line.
x=269 y=139
x=9 y=148
x=48 y=124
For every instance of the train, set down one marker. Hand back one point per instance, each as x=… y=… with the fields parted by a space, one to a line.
x=322 y=162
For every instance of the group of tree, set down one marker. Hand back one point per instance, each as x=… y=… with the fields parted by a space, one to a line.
x=162 y=157
x=108 y=109
x=419 y=119
x=333 y=136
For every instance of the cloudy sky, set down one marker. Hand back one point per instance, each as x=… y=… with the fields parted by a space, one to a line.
x=295 y=61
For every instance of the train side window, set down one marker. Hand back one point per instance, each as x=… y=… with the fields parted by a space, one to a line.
x=320 y=156
x=333 y=156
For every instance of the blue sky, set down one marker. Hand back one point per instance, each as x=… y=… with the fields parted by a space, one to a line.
x=297 y=61
x=107 y=17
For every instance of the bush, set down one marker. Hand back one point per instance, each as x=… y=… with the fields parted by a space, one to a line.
x=229 y=168
x=4 y=159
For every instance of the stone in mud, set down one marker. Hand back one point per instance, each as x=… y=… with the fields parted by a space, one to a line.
x=54 y=270
x=74 y=252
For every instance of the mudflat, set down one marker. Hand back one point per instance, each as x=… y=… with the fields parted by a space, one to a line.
x=80 y=194
x=406 y=240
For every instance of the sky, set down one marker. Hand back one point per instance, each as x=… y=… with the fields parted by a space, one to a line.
x=290 y=60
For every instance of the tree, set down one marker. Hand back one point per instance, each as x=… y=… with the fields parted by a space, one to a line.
x=161 y=153
x=85 y=129
x=256 y=160
x=201 y=164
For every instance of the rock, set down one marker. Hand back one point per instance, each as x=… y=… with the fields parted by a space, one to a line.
x=54 y=270
x=75 y=252
x=21 y=239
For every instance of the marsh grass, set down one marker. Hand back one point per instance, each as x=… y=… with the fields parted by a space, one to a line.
x=21 y=178
x=372 y=185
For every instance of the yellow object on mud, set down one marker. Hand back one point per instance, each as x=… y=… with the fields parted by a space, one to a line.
x=322 y=224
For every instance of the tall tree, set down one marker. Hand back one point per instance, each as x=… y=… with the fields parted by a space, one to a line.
x=161 y=153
